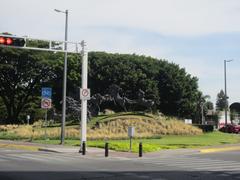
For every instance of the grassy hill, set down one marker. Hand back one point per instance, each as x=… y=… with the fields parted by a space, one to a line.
x=146 y=126
x=112 y=126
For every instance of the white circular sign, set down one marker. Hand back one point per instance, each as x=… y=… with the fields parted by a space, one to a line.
x=46 y=103
x=85 y=94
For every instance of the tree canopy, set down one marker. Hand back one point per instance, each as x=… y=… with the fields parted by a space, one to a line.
x=23 y=73
x=222 y=101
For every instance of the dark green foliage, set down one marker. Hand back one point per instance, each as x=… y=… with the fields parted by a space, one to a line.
x=178 y=90
x=235 y=107
x=209 y=105
x=205 y=128
x=73 y=77
x=222 y=101
x=174 y=91
x=22 y=73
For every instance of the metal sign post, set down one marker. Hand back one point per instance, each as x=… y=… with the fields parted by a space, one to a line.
x=46 y=103
x=46 y=124
x=130 y=135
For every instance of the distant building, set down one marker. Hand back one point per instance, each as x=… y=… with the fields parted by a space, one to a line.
x=221 y=118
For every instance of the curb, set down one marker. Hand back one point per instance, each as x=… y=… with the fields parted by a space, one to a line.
x=48 y=150
x=212 y=150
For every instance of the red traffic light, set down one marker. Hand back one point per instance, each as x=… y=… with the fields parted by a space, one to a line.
x=9 y=41
x=2 y=40
x=12 y=41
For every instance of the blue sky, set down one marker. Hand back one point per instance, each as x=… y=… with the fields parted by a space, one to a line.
x=198 y=35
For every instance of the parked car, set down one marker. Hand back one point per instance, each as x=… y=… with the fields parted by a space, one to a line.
x=230 y=128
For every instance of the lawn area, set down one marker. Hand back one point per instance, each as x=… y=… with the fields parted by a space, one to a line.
x=165 y=142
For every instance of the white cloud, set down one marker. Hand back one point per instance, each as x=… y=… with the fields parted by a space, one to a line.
x=185 y=17
x=171 y=17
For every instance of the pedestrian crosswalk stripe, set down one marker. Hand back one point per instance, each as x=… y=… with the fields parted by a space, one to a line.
x=27 y=157
x=194 y=163
x=11 y=157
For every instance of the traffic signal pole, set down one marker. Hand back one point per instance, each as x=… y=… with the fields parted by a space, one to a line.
x=53 y=45
x=59 y=46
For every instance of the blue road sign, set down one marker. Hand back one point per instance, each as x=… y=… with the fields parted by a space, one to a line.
x=47 y=92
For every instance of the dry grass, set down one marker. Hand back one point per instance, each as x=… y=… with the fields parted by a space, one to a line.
x=145 y=127
x=8 y=127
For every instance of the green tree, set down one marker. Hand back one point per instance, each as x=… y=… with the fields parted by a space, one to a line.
x=73 y=77
x=222 y=101
x=24 y=72
x=21 y=74
x=209 y=105
x=131 y=72
x=178 y=90
x=169 y=85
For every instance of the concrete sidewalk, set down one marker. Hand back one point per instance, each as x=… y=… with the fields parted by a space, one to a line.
x=99 y=152
x=91 y=151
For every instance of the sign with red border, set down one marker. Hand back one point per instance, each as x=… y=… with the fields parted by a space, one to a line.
x=84 y=94
x=46 y=103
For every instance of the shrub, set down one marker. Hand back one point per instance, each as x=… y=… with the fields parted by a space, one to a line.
x=205 y=127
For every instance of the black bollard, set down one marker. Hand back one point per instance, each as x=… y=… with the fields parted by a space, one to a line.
x=106 y=149
x=83 y=148
x=140 y=149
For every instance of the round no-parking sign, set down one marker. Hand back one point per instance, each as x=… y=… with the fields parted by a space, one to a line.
x=46 y=103
x=84 y=94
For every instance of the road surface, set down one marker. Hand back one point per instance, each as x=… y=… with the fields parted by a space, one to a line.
x=21 y=165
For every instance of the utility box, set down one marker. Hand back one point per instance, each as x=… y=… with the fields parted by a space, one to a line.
x=130 y=131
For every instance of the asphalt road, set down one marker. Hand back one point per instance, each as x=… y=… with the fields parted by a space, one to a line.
x=21 y=165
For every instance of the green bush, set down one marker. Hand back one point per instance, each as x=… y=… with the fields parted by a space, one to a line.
x=205 y=127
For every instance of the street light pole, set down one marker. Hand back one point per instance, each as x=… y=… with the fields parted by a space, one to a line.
x=64 y=77
x=202 y=112
x=225 y=89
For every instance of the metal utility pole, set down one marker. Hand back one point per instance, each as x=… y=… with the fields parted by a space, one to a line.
x=202 y=112
x=64 y=77
x=225 y=89
x=84 y=101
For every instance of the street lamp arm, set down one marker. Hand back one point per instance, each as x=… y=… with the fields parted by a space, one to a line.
x=57 y=10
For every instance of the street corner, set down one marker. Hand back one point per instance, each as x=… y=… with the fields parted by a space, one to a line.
x=220 y=149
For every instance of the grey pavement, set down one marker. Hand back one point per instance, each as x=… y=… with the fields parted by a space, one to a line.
x=99 y=152
x=22 y=164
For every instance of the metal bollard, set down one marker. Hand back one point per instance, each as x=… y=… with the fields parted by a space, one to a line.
x=106 y=149
x=83 y=148
x=140 y=149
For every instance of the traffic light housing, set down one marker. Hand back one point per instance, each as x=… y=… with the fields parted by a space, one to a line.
x=12 y=41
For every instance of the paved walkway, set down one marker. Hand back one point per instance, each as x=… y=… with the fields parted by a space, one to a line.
x=99 y=152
